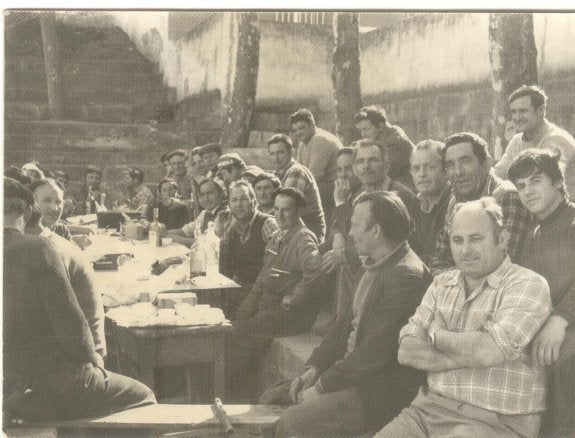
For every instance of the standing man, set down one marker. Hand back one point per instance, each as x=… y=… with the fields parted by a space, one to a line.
x=372 y=124
x=467 y=162
x=433 y=195
x=550 y=251
x=471 y=334
x=528 y=106
x=296 y=175
x=242 y=247
x=317 y=150
x=282 y=301
x=51 y=368
x=265 y=185
x=353 y=382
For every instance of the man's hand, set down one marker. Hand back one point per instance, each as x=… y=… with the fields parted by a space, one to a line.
x=332 y=260
x=287 y=302
x=547 y=343
x=341 y=191
x=308 y=395
x=301 y=383
x=82 y=240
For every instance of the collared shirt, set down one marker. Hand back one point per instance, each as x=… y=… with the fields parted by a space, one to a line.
x=516 y=220
x=549 y=137
x=511 y=304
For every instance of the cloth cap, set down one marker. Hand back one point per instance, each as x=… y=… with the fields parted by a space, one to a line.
x=14 y=189
x=230 y=159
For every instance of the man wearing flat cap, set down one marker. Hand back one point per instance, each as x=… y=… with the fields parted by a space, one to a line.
x=178 y=162
x=210 y=154
x=230 y=167
x=51 y=368
x=283 y=299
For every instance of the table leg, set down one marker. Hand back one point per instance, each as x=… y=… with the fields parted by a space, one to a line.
x=220 y=369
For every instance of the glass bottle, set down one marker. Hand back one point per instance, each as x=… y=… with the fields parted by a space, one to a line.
x=157 y=230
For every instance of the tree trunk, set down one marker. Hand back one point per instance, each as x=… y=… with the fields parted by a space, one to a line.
x=236 y=131
x=345 y=74
x=513 y=58
x=52 y=63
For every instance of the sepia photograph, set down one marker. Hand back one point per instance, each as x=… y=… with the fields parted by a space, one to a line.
x=288 y=223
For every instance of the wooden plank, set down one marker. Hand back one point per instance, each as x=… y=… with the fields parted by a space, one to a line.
x=163 y=416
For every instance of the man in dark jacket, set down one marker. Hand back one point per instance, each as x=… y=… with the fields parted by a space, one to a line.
x=353 y=382
x=51 y=368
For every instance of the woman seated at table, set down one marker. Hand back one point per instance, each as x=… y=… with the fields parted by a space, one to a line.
x=173 y=212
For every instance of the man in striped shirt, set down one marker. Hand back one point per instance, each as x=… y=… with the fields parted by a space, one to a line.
x=471 y=333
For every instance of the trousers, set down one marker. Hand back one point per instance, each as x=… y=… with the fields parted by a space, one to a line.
x=81 y=391
x=433 y=415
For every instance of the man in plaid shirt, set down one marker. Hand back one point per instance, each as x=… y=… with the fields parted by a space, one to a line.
x=468 y=165
x=296 y=175
x=471 y=333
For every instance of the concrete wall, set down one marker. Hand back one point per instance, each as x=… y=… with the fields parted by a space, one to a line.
x=432 y=74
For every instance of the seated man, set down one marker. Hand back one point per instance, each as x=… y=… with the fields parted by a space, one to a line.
x=265 y=185
x=138 y=196
x=433 y=195
x=91 y=196
x=210 y=153
x=549 y=250
x=372 y=123
x=172 y=211
x=230 y=167
x=51 y=368
x=242 y=247
x=212 y=200
x=296 y=175
x=69 y=205
x=353 y=382
x=49 y=198
x=282 y=300
x=468 y=165
x=370 y=166
x=471 y=334
x=49 y=201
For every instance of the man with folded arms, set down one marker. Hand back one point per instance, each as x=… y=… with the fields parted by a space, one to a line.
x=550 y=251
x=353 y=382
x=471 y=333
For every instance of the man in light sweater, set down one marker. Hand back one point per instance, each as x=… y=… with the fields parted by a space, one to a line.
x=528 y=106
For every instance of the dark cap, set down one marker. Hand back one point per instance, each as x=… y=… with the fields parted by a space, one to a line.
x=211 y=147
x=175 y=152
x=14 y=189
x=293 y=193
x=253 y=171
x=230 y=159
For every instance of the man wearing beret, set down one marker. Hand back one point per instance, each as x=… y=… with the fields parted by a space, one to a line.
x=51 y=368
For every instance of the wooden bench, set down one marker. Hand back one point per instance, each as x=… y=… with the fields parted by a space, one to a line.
x=169 y=421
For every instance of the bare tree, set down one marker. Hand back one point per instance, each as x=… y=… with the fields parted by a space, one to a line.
x=243 y=94
x=52 y=63
x=346 y=74
x=513 y=58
